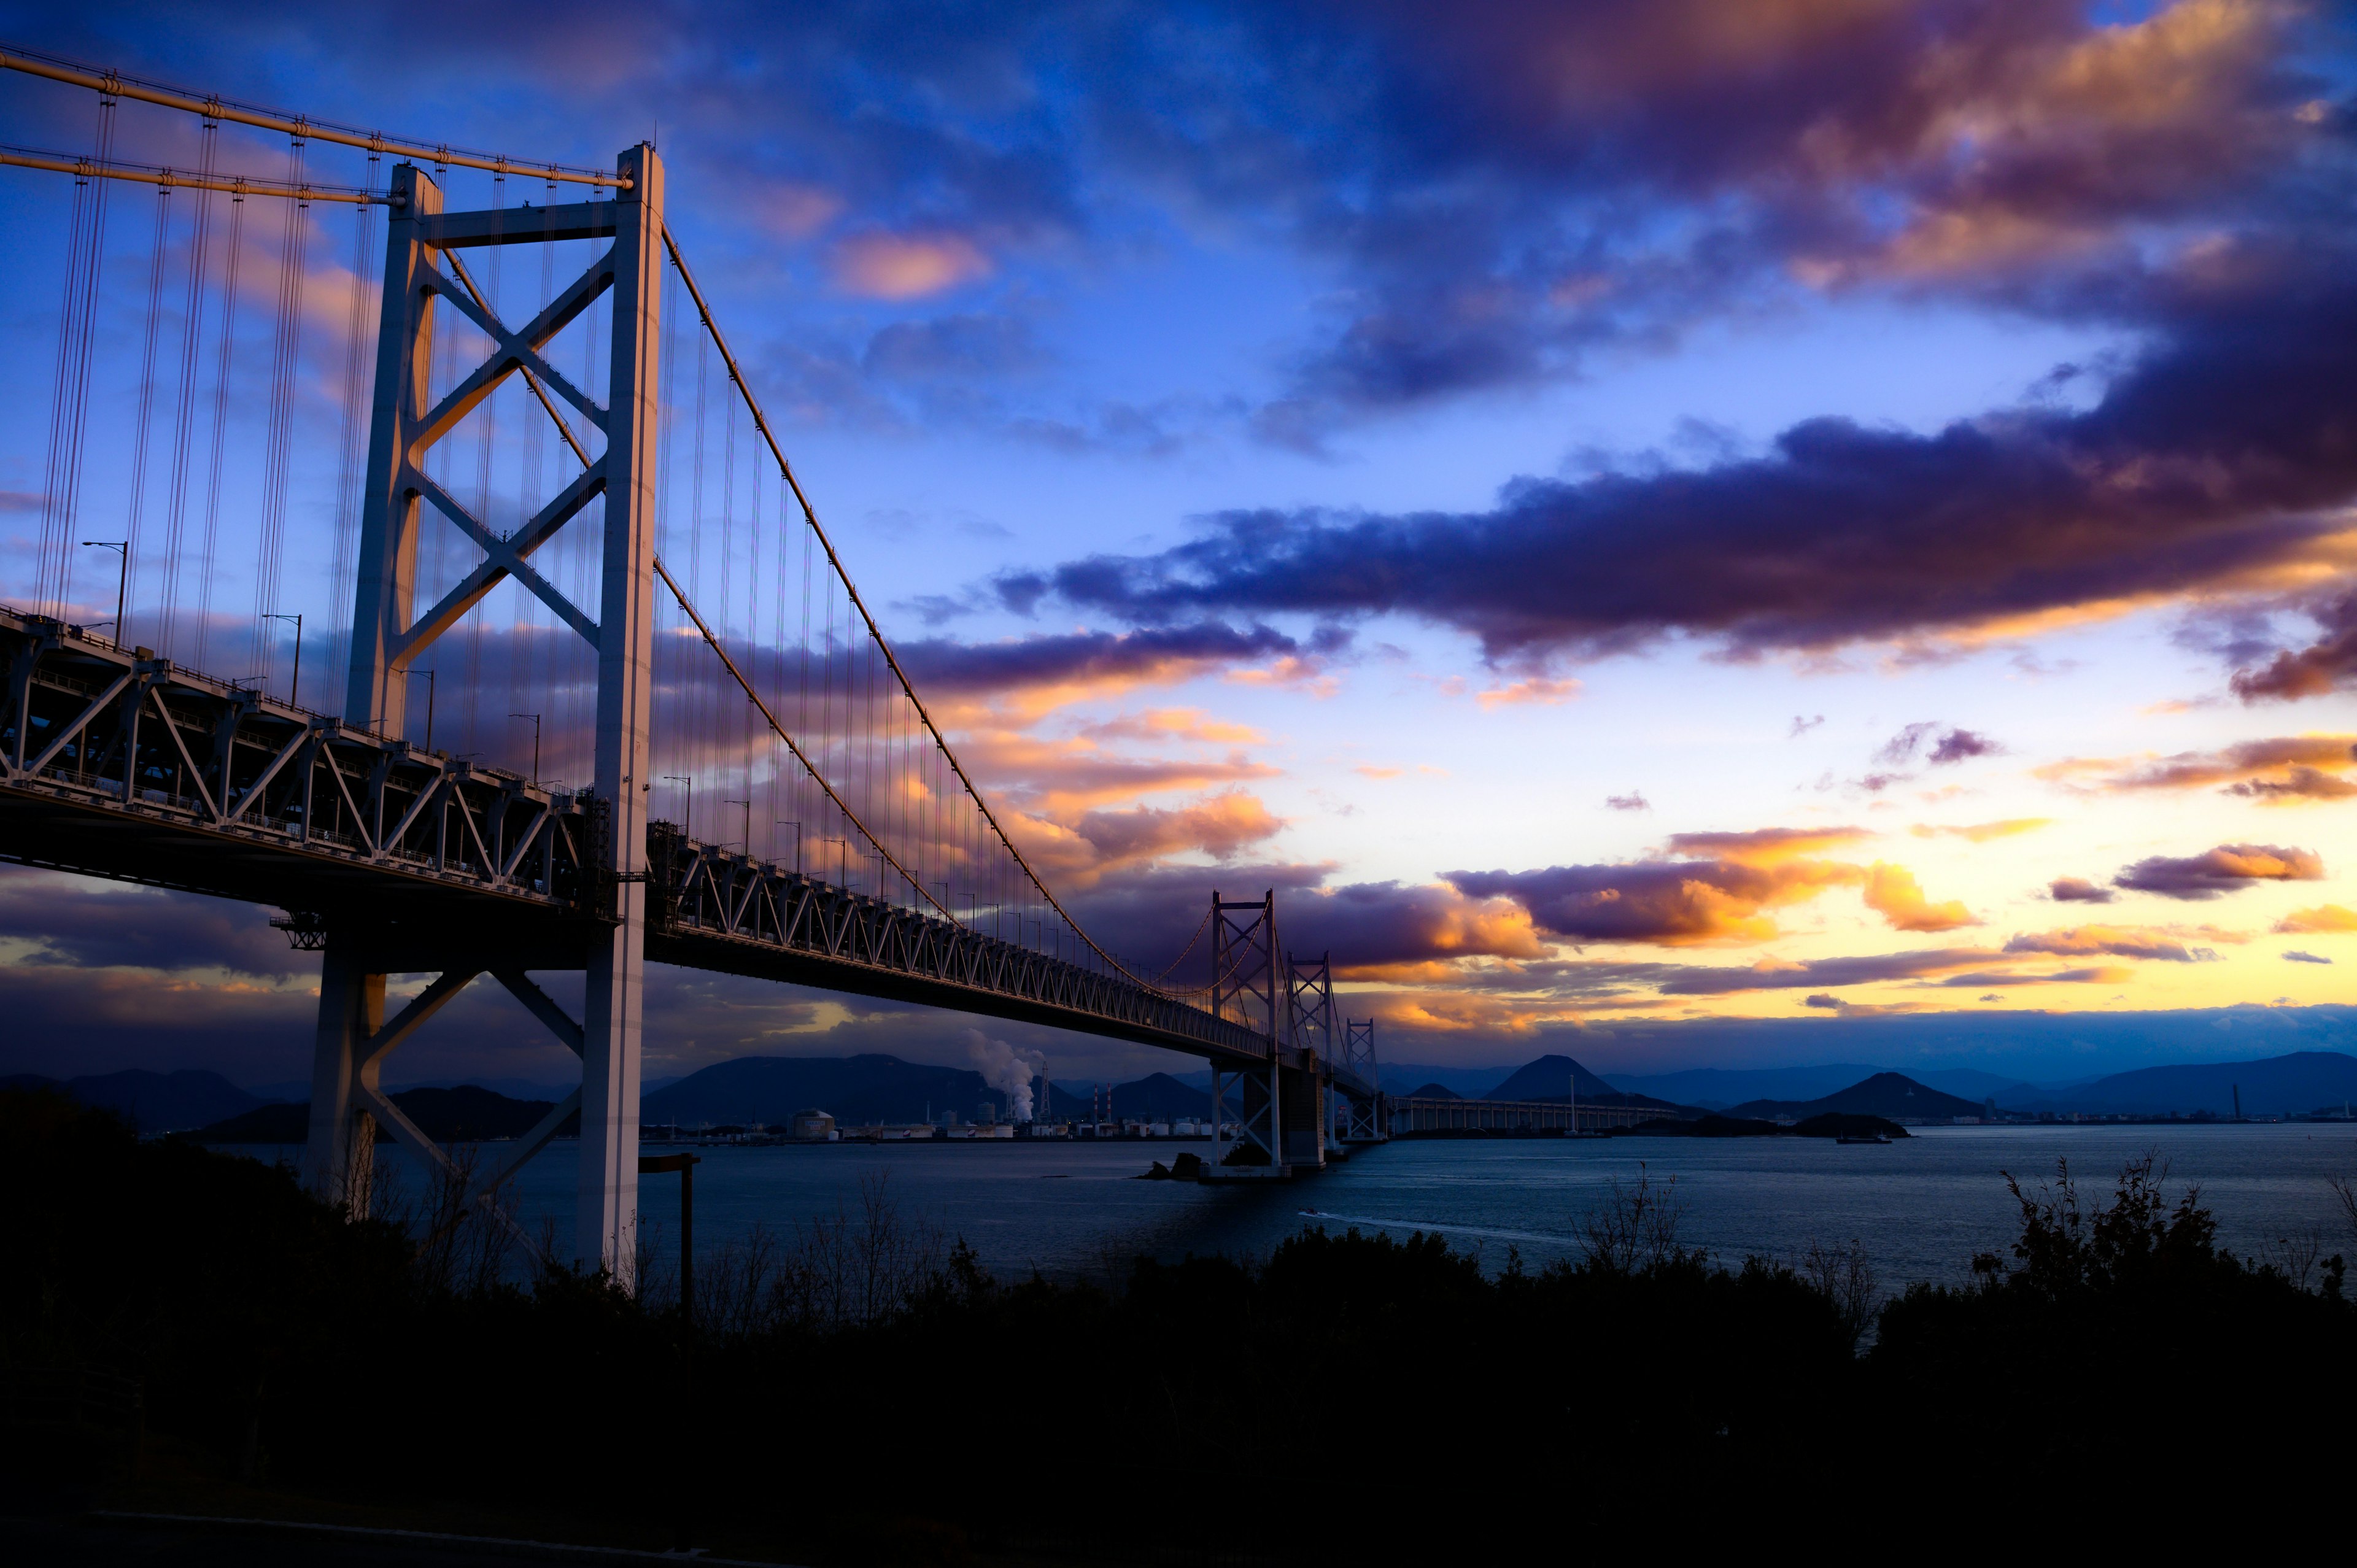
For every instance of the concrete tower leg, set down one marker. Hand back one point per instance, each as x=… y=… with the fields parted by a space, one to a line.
x=339 y=1164
x=605 y=1223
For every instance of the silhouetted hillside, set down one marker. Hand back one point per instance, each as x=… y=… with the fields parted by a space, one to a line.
x=151 y=1101
x=1716 y=1087
x=2274 y=1086
x=1888 y=1094
x=1434 y=1092
x=1549 y=1078
x=1466 y=1082
x=853 y=1090
x=1156 y=1097
x=466 y=1114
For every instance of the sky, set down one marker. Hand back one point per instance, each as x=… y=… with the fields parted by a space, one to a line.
x=1662 y=532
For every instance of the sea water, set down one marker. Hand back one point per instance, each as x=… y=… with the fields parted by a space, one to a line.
x=1920 y=1207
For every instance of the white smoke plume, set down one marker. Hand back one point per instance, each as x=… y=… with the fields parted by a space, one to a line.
x=1007 y=1070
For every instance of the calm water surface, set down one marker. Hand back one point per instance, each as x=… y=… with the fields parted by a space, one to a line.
x=1921 y=1207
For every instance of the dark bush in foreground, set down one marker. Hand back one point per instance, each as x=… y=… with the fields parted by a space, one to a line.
x=857 y=1396
x=2115 y=1334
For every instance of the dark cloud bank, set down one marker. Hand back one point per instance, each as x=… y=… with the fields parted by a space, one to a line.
x=2219 y=456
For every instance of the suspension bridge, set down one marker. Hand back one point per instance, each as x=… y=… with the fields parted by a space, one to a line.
x=526 y=498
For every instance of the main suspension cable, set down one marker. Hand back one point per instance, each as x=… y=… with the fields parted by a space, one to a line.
x=810 y=517
x=213 y=106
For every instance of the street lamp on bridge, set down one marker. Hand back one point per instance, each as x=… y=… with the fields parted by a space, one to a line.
x=749 y=824
x=429 y=703
x=798 y=843
x=294 y=686
x=535 y=742
x=687 y=818
x=122 y=579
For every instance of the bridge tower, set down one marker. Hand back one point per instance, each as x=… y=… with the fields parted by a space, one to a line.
x=1362 y=1120
x=1245 y=987
x=1309 y=1007
x=424 y=272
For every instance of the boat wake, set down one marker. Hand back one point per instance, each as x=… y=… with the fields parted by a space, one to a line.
x=1428 y=1225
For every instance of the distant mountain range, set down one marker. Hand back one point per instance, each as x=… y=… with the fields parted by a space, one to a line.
x=151 y=1101
x=2296 y=1085
x=879 y=1088
x=1716 y=1089
x=855 y=1090
x=1550 y=1077
x=1464 y=1083
x=1890 y=1095
x=466 y=1114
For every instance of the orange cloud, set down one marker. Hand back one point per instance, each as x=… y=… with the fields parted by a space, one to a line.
x=1370 y=770
x=2325 y=919
x=1307 y=676
x=907 y=267
x=1075 y=774
x=1892 y=892
x=2164 y=943
x=1174 y=723
x=1765 y=847
x=797 y=211
x=1535 y=689
x=1982 y=833
x=1077 y=854
x=2281 y=770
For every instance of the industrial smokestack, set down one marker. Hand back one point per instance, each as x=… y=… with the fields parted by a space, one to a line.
x=1007 y=1070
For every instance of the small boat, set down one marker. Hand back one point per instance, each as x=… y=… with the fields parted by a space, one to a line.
x=1861 y=1138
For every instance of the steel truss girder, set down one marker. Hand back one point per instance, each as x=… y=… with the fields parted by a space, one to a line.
x=190 y=759
x=710 y=906
x=353 y=817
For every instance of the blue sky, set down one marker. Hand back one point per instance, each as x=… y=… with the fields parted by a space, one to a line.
x=1897 y=450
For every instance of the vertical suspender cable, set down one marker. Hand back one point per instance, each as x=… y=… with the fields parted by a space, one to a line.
x=201 y=207
x=144 y=420
x=531 y=491
x=669 y=725
x=486 y=433
x=434 y=530
x=285 y=351
x=222 y=361
x=695 y=685
x=590 y=548
x=349 y=451
x=728 y=599
x=70 y=410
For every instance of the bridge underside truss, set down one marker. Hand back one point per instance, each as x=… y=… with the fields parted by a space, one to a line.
x=428 y=860
x=118 y=763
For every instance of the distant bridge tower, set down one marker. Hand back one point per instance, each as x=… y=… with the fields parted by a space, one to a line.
x=1362 y=1120
x=1245 y=987
x=1310 y=1008
x=368 y=937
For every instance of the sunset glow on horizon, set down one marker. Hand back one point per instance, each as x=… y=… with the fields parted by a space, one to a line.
x=1620 y=515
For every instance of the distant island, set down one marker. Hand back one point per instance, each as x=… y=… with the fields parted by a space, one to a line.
x=874 y=1089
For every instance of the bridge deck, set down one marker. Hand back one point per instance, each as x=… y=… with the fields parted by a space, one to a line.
x=120 y=765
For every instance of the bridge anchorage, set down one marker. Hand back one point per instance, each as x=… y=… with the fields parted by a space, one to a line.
x=394 y=858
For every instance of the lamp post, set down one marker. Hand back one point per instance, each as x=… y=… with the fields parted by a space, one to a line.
x=122 y=578
x=294 y=686
x=429 y=675
x=535 y=742
x=687 y=818
x=749 y=824
x=798 y=842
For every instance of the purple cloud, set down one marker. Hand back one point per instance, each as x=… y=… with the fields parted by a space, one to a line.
x=2229 y=868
